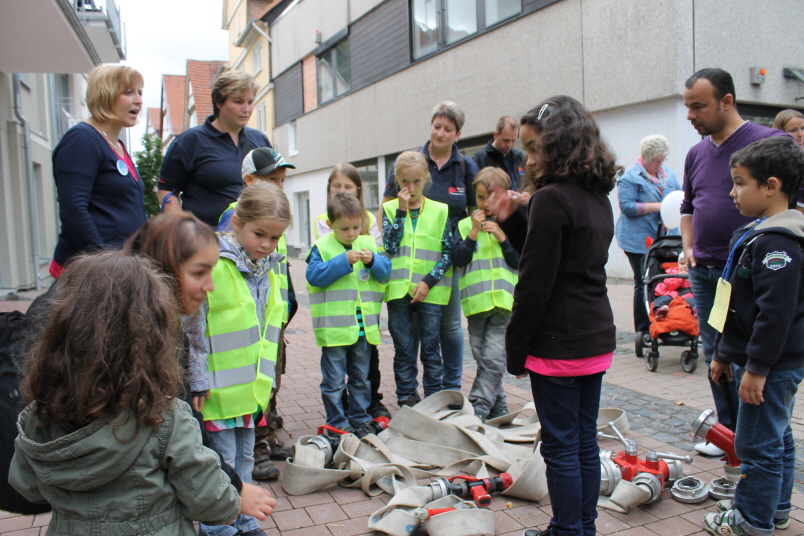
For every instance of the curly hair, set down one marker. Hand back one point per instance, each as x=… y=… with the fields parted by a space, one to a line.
x=569 y=146
x=110 y=343
x=170 y=240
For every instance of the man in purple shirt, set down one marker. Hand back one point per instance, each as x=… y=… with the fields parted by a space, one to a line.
x=708 y=214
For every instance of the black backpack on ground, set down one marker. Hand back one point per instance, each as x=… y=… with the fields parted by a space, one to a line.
x=13 y=325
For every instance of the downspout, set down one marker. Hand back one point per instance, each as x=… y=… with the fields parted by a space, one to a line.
x=33 y=213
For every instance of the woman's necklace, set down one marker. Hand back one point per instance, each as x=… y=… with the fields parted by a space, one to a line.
x=115 y=146
x=437 y=160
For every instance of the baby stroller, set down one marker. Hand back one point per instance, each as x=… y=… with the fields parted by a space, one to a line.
x=664 y=249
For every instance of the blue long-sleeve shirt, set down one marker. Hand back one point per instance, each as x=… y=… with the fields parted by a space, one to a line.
x=321 y=273
x=392 y=237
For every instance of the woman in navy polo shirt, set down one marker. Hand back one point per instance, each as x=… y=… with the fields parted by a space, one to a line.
x=452 y=175
x=202 y=165
x=100 y=193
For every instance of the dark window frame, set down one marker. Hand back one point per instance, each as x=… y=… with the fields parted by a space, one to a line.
x=441 y=31
x=330 y=48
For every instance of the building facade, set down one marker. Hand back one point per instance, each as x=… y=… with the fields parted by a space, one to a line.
x=39 y=38
x=355 y=81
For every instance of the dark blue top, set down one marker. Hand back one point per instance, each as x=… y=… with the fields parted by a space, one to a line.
x=449 y=185
x=203 y=165
x=98 y=206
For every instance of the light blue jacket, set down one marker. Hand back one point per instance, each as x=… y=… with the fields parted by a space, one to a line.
x=634 y=187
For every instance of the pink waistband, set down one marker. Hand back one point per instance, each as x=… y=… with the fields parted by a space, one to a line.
x=569 y=367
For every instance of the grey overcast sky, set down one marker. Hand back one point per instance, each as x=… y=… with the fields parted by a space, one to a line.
x=161 y=35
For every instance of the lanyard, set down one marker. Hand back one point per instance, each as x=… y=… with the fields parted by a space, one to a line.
x=727 y=269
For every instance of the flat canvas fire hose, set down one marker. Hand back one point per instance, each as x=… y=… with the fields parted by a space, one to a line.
x=423 y=442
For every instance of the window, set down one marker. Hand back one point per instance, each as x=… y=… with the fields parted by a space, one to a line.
x=437 y=24
x=371 y=188
x=334 y=72
x=292 y=149
x=499 y=10
x=257 y=57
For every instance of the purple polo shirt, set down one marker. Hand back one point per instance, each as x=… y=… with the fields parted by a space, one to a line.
x=707 y=183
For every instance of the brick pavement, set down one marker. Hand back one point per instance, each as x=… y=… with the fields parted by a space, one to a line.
x=660 y=408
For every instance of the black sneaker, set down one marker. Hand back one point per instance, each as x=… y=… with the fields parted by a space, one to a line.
x=265 y=470
x=498 y=413
x=255 y=532
x=412 y=400
x=535 y=532
x=377 y=409
x=280 y=452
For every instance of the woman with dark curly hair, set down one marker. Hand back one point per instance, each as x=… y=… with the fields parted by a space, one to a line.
x=561 y=330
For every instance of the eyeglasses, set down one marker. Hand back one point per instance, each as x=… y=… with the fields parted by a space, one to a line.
x=657 y=161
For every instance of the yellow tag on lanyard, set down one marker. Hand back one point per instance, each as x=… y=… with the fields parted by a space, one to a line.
x=720 y=309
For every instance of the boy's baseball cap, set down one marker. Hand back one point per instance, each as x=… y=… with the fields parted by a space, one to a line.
x=262 y=161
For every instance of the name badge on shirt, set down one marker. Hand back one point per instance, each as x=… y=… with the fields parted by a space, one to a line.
x=720 y=309
x=122 y=168
x=363 y=274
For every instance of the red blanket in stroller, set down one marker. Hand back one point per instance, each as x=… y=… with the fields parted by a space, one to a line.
x=679 y=318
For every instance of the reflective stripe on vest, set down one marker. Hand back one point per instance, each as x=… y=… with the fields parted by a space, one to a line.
x=241 y=364
x=334 y=308
x=488 y=281
x=281 y=270
x=418 y=252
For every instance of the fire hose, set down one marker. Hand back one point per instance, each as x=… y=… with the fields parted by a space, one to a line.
x=411 y=448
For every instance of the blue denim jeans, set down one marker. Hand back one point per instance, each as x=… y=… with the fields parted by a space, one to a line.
x=340 y=361
x=236 y=447
x=641 y=319
x=567 y=409
x=452 y=338
x=703 y=281
x=400 y=324
x=487 y=338
x=764 y=443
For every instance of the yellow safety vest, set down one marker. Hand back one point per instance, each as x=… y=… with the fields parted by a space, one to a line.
x=334 y=308
x=486 y=282
x=242 y=360
x=323 y=217
x=418 y=252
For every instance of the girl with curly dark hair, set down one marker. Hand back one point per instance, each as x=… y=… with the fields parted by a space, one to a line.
x=561 y=330
x=104 y=424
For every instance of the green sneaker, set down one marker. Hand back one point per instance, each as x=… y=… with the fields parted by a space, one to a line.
x=780 y=521
x=722 y=524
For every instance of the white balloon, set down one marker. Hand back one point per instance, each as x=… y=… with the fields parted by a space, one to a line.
x=671 y=207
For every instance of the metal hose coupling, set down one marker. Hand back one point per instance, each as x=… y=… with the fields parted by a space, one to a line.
x=722 y=488
x=610 y=476
x=652 y=483
x=708 y=429
x=690 y=490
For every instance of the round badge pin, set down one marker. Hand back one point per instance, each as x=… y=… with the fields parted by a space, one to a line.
x=122 y=168
x=363 y=274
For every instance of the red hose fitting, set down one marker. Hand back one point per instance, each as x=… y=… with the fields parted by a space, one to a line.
x=708 y=429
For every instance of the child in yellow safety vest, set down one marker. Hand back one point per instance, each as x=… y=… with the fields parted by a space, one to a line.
x=488 y=266
x=241 y=323
x=417 y=237
x=344 y=279
x=267 y=165
x=345 y=178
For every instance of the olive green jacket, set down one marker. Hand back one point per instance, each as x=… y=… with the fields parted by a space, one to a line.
x=117 y=478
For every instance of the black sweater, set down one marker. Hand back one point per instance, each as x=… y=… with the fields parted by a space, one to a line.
x=561 y=305
x=764 y=328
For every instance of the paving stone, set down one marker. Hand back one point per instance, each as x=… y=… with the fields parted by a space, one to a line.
x=311 y=499
x=350 y=527
x=362 y=508
x=675 y=526
x=505 y=523
x=292 y=519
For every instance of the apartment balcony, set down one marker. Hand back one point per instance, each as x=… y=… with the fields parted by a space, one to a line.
x=59 y=36
x=101 y=21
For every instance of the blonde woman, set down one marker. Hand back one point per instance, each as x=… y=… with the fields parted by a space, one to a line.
x=100 y=193
x=201 y=170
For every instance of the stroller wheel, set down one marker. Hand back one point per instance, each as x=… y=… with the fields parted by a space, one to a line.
x=689 y=361
x=639 y=344
x=652 y=361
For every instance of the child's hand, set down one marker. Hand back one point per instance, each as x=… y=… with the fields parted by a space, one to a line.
x=494 y=228
x=353 y=256
x=366 y=256
x=404 y=198
x=717 y=369
x=751 y=387
x=420 y=292
x=256 y=501
x=478 y=217
x=198 y=402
